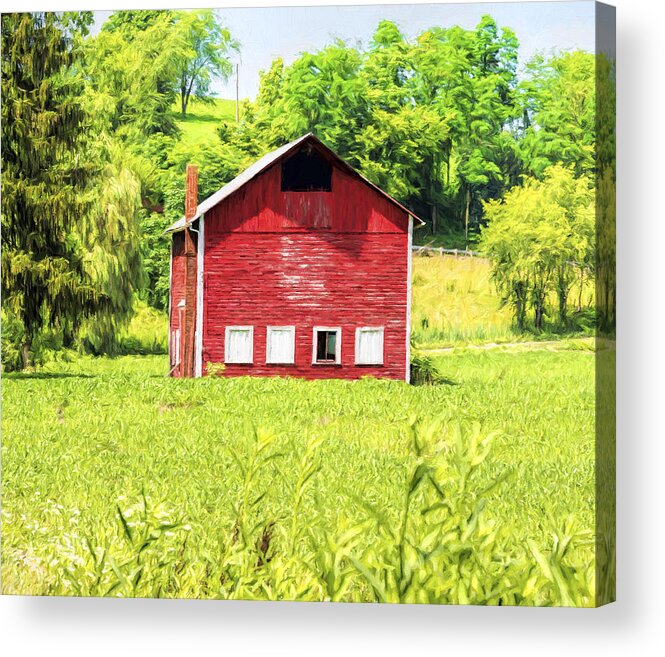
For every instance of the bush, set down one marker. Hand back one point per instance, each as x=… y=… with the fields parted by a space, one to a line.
x=44 y=346
x=147 y=333
x=424 y=370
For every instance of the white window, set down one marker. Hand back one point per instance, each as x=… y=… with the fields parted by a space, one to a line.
x=280 y=344
x=327 y=345
x=369 y=345
x=239 y=344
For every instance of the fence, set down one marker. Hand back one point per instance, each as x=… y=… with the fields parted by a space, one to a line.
x=437 y=250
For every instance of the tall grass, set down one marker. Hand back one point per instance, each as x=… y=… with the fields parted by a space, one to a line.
x=119 y=481
x=454 y=301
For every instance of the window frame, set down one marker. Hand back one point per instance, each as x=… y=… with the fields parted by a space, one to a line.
x=338 y=345
x=292 y=330
x=361 y=329
x=227 y=331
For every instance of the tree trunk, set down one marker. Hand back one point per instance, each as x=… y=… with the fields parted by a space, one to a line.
x=519 y=314
x=563 y=291
x=183 y=94
x=466 y=219
x=25 y=352
x=433 y=219
x=186 y=93
x=563 y=306
x=519 y=291
x=538 y=315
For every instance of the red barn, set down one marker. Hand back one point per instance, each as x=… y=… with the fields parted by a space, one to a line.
x=299 y=266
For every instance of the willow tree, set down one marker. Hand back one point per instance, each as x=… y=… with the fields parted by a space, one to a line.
x=60 y=240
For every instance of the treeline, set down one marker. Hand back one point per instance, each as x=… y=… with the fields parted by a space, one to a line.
x=93 y=161
x=87 y=130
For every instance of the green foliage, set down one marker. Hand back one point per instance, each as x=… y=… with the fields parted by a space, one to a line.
x=134 y=22
x=279 y=497
x=45 y=346
x=541 y=239
x=424 y=120
x=215 y=369
x=203 y=53
x=146 y=333
x=69 y=246
x=605 y=163
x=131 y=72
x=424 y=370
x=559 y=104
x=440 y=121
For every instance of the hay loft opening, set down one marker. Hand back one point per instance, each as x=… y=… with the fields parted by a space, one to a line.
x=307 y=171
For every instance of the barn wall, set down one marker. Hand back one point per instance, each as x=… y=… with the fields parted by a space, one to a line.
x=306 y=279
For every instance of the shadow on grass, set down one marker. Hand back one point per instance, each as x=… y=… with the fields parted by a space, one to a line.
x=438 y=380
x=19 y=376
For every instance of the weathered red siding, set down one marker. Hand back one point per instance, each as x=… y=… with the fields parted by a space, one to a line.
x=307 y=259
x=352 y=207
x=307 y=280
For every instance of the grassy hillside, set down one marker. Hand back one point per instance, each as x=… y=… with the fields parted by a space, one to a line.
x=120 y=481
x=202 y=119
x=454 y=302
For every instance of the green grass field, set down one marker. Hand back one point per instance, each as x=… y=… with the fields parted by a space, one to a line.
x=454 y=302
x=120 y=481
x=278 y=488
x=200 y=123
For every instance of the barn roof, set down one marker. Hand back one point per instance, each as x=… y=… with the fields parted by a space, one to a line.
x=267 y=161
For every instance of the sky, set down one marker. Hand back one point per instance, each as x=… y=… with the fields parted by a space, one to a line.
x=270 y=32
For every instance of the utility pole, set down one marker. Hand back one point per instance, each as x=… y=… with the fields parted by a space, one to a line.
x=237 y=94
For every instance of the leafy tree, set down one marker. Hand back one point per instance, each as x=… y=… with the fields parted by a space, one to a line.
x=319 y=92
x=135 y=21
x=203 y=54
x=132 y=80
x=558 y=99
x=402 y=141
x=60 y=240
x=486 y=109
x=605 y=172
x=538 y=237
